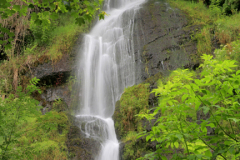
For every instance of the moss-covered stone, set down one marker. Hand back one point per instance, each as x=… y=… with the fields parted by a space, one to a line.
x=133 y=101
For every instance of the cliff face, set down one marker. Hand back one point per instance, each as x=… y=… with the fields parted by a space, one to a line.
x=162 y=42
x=162 y=39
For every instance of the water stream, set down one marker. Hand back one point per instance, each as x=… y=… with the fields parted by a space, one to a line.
x=106 y=67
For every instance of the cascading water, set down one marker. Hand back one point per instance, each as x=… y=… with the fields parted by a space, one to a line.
x=106 y=67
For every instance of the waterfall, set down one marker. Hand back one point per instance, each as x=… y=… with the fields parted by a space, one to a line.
x=106 y=67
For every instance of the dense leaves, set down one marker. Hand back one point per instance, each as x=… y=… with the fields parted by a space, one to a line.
x=83 y=11
x=199 y=114
x=14 y=110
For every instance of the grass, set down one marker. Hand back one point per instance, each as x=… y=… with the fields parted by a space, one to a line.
x=216 y=26
x=62 y=40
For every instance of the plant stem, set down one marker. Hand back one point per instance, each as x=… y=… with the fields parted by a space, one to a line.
x=183 y=135
x=215 y=118
x=206 y=142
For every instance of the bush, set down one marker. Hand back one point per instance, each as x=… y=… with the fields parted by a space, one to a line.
x=199 y=116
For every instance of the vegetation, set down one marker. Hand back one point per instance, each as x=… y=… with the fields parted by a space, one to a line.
x=133 y=101
x=199 y=111
x=198 y=115
x=33 y=33
x=219 y=26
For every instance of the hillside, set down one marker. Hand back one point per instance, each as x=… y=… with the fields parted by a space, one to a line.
x=185 y=101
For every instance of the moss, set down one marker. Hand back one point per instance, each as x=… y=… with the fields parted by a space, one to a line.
x=153 y=79
x=133 y=101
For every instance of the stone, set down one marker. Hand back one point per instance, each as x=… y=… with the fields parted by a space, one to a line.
x=163 y=39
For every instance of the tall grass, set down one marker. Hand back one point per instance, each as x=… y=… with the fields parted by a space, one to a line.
x=61 y=40
x=216 y=25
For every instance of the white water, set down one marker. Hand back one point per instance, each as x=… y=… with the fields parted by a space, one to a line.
x=107 y=66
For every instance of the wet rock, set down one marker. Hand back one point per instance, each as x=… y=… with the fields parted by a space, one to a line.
x=80 y=147
x=163 y=39
x=54 y=73
x=117 y=121
x=55 y=93
x=121 y=150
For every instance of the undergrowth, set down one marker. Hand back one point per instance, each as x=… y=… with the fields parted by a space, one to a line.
x=218 y=27
x=133 y=101
x=59 y=43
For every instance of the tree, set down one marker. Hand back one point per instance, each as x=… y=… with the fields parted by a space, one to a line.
x=81 y=10
x=13 y=111
x=199 y=116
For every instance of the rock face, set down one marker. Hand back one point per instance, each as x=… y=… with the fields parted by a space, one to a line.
x=163 y=39
x=162 y=42
x=54 y=73
x=82 y=148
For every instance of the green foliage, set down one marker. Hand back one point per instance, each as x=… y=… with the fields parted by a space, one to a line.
x=204 y=44
x=226 y=6
x=44 y=137
x=42 y=32
x=191 y=107
x=14 y=110
x=133 y=101
x=229 y=51
x=25 y=133
x=217 y=25
x=81 y=11
x=228 y=28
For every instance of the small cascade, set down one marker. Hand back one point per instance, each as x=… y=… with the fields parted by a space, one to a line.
x=106 y=67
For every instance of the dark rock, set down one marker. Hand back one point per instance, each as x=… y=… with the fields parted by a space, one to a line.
x=55 y=93
x=117 y=120
x=80 y=147
x=163 y=38
x=54 y=73
x=121 y=150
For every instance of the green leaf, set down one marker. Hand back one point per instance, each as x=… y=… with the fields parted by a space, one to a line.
x=38 y=22
x=31 y=6
x=236 y=82
x=163 y=158
x=80 y=21
x=205 y=109
x=206 y=102
x=87 y=17
x=148 y=137
x=176 y=144
x=211 y=125
x=238 y=72
x=231 y=149
x=34 y=16
x=208 y=153
x=204 y=91
x=179 y=136
x=54 y=16
x=184 y=97
x=16 y=7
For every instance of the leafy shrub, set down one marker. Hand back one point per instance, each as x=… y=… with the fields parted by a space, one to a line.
x=14 y=110
x=229 y=51
x=42 y=32
x=199 y=116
